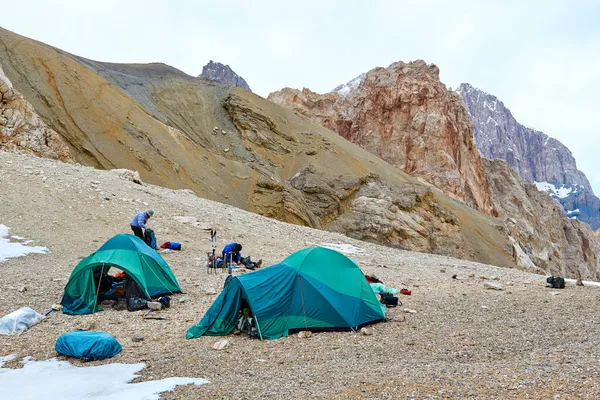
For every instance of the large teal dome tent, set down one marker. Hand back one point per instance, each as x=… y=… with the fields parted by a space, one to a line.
x=315 y=288
x=128 y=253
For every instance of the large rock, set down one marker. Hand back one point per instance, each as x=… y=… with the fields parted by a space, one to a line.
x=21 y=129
x=535 y=156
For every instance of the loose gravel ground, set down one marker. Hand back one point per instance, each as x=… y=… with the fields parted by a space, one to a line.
x=464 y=341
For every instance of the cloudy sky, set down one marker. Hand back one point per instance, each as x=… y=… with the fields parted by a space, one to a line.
x=541 y=58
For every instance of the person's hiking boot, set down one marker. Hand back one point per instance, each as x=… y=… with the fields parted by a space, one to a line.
x=259 y=263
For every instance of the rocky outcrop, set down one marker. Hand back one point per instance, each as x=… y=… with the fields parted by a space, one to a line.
x=215 y=71
x=21 y=129
x=543 y=235
x=406 y=116
x=536 y=157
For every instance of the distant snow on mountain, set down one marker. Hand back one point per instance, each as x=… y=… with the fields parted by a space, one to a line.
x=561 y=192
x=346 y=88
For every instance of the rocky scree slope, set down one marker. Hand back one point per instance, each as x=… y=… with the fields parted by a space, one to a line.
x=215 y=71
x=535 y=156
x=406 y=116
x=229 y=145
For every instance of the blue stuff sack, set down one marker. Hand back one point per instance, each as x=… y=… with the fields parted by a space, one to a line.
x=87 y=346
x=174 y=246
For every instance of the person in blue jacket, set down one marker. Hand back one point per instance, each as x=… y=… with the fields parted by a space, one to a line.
x=231 y=254
x=139 y=221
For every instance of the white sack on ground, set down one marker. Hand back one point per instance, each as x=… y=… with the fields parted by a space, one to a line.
x=18 y=321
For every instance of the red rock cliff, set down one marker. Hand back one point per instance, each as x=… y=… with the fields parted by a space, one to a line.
x=406 y=116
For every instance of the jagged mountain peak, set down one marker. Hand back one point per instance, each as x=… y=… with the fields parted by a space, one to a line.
x=216 y=71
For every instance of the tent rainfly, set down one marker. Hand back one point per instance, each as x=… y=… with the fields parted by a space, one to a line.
x=128 y=253
x=312 y=289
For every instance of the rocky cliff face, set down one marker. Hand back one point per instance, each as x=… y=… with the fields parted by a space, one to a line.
x=543 y=236
x=21 y=129
x=536 y=157
x=215 y=71
x=406 y=116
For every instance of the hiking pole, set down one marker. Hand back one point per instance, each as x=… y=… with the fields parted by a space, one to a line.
x=213 y=239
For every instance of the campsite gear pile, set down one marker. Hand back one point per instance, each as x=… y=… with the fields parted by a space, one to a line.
x=171 y=245
x=312 y=289
x=555 y=282
x=87 y=346
x=147 y=276
x=386 y=295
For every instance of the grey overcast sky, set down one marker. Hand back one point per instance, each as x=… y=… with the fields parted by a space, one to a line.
x=541 y=58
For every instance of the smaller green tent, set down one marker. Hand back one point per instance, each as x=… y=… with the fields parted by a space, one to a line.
x=313 y=289
x=128 y=253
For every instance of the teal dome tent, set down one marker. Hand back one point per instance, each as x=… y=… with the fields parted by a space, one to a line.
x=144 y=266
x=313 y=289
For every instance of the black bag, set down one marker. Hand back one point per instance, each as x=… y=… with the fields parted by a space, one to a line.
x=556 y=282
x=136 y=303
x=389 y=300
x=165 y=301
x=150 y=238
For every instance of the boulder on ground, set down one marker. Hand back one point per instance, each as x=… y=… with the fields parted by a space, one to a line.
x=128 y=175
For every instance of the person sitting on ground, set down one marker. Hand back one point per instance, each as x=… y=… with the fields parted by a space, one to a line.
x=231 y=254
x=139 y=221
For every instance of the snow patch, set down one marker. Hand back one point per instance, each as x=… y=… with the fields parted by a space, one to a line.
x=493 y=120
x=343 y=248
x=57 y=380
x=10 y=249
x=490 y=106
x=561 y=192
x=351 y=85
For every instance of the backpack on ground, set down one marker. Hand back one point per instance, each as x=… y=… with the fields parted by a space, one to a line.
x=136 y=303
x=150 y=238
x=389 y=300
x=556 y=282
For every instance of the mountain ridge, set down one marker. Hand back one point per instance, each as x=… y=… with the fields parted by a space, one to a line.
x=230 y=145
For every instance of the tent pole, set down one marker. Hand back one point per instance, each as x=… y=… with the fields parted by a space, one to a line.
x=258 y=327
x=98 y=289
